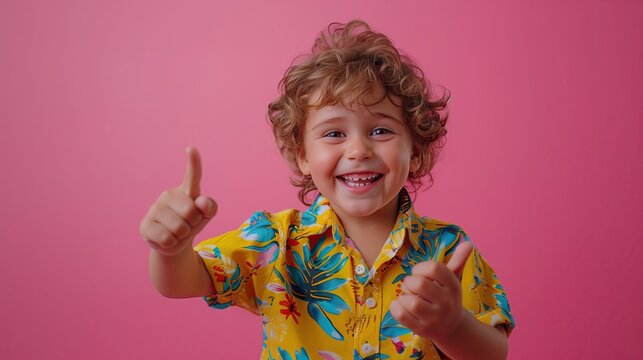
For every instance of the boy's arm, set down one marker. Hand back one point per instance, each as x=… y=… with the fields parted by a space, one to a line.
x=170 y=226
x=474 y=340
x=431 y=306
x=180 y=276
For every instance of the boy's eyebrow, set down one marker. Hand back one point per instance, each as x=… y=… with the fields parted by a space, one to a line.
x=387 y=115
x=375 y=114
x=326 y=121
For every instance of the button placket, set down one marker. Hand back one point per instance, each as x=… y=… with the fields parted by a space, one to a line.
x=367 y=348
x=371 y=302
x=367 y=341
x=360 y=269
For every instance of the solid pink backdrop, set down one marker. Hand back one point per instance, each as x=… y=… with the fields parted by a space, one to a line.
x=99 y=99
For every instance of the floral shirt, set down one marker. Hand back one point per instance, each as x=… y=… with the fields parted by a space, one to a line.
x=315 y=295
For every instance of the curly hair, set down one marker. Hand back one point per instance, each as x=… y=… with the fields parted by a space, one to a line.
x=346 y=62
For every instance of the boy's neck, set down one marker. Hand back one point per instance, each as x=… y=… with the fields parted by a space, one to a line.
x=369 y=233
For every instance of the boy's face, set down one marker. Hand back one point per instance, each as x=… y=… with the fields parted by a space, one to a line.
x=359 y=157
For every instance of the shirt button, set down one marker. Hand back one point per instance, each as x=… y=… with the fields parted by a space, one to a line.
x=367 y=348
x=360 y=269
x=370 y=302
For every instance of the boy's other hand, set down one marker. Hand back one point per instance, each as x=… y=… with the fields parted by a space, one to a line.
x=179 y=214
x=431 y=304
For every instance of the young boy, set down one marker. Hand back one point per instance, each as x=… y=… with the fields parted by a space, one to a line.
x=359 y=274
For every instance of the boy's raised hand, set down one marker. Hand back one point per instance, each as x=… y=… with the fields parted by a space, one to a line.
x=431 y=304
x=178 y=214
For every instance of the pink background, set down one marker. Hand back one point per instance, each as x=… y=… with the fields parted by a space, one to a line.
x=98 y=100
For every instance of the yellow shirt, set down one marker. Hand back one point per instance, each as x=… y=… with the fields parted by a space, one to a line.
x=315 y=295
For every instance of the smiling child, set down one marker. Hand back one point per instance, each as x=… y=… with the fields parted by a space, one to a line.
x=359 y=274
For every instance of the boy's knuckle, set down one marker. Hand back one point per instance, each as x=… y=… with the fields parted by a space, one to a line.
x=195 y=218
x=413 y=304
x=183 y=231
x=143 y=227
x=423 y=283
x=164 y=196
x=191 y=214
x=434 y=267
x=165 y=237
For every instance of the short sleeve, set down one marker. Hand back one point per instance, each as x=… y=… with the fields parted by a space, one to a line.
x=240 y=261
x=482 y=293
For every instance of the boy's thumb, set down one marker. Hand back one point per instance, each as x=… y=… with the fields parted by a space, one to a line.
x=206 y=205
x=459 y=258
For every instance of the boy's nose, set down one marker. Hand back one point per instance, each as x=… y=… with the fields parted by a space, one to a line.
x=359 y=149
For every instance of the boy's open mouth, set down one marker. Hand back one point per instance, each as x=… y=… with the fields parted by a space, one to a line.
x=359 y=180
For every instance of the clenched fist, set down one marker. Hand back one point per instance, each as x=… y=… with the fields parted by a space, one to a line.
x=179 y=214
x=431 y=305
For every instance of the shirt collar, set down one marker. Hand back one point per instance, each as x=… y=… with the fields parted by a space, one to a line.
x=320 y=216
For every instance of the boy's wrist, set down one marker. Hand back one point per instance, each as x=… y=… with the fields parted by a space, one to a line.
x=181 y=253
x=458 y=330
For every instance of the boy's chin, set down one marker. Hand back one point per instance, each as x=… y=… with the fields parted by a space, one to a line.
x=360 y=208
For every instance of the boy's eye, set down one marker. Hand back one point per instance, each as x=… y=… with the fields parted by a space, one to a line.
x=380 y=131
x=333 y=134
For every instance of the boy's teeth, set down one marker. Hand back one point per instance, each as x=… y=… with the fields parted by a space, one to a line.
x=357 y=177
x=359 y=180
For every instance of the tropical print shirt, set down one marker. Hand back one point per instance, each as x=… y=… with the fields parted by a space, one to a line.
x=315 y=295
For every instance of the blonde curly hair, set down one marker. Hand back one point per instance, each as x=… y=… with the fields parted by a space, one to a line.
x=346 y=62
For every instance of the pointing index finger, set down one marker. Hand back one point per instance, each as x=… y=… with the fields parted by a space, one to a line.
x=192 y=178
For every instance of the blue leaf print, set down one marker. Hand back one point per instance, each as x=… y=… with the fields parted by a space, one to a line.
x=233 y=282
x=391 y=328
x=417 y=354
x=323 y=274
x=378 y=356
x=363 y=278
x=299 y=292
x=331 y=303
x=301 y=355
x=297 y=277
x=312 y=280
x=300 y=263
x=448 y=239
x=337 y=235
x=310 y=216
x=259 y=228
x=329 y=285
x=281 y=277
x=331 y=262
x=503 y=304
x=284 y=354
x=306 y=250
x=236 y=278
x=320 y=255
x=308 y=219
x=399 y=277
x=215 y=304
x=323 y=321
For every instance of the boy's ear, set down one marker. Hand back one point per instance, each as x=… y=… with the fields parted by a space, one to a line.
x=302 y=163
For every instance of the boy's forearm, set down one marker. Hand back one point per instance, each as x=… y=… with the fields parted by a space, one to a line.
x=474 y=340
x=180 y=276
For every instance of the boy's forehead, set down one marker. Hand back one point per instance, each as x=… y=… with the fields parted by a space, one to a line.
x=376 y=97
x=375 y=108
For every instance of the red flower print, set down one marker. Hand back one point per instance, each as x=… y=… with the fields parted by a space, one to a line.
x=290 y=308
x=292 y=242
x=219 y=273
x=253 y=268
